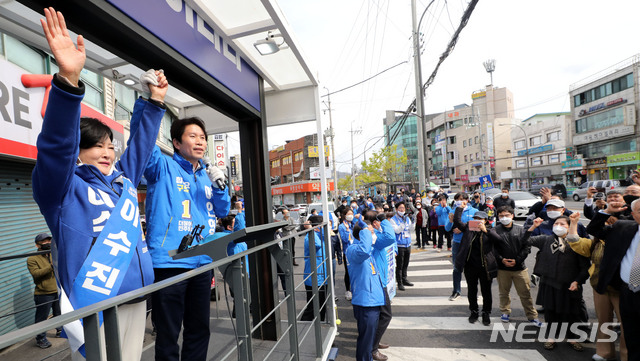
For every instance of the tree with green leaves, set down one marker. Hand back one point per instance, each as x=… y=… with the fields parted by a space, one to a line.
x=383 y=166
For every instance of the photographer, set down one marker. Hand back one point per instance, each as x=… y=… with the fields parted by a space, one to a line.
x=595 y=201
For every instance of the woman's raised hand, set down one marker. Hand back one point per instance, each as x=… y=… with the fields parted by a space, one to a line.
x=69 y=58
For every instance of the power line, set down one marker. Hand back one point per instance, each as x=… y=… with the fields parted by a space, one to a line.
x=365 y=80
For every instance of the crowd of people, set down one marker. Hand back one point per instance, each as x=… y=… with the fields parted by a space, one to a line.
x=486 y=244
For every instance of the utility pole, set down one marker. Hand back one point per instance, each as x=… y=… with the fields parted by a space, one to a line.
x=333 y=152
x=419 y=98
x=353 y=171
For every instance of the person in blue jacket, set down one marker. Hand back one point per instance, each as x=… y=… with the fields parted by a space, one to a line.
x=182 y=194
x=239 y=220
x=443 y=211
x=313 y=239
x=367 y=287
x=89 y=200
x=461 y=200
x=345 y=230
x=402 y=227
x=385 y=234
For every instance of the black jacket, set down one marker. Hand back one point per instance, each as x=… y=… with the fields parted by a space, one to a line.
x=559 y=268
x=510 y=243
x=617 y=238
x=486 y=246
x=498 y=202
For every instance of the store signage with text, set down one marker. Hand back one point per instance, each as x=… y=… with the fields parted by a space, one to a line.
x=601 y=106
x=623 y=159
x=603 y=134
x=535 y=150
x=300 y=188
x=313 y=151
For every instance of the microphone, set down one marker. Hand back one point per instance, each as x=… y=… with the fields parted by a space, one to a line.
x=207 y=164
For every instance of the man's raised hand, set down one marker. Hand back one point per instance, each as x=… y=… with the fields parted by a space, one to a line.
x=69 y=58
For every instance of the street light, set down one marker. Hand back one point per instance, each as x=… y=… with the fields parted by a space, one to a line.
x=526 y=144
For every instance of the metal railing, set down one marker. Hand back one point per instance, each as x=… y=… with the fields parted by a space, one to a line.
x=241 y=296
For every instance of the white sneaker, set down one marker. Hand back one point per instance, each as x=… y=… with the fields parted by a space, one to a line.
x=348 y=295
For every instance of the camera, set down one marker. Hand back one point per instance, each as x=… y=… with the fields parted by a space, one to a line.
x=599 y=195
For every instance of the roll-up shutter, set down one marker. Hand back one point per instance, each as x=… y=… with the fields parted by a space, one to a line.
x=20 y=222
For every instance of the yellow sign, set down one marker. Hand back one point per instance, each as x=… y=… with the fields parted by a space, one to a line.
x=313 y=151
x=476 y=95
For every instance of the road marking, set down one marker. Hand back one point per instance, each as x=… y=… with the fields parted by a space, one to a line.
x=439 y=323
x=441 y=354
x=430 y=263
x=435 y=284
x=431 y=301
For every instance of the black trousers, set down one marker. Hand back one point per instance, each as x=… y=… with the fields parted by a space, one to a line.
x=422 y=234
x=433 y=235
x=383 y=321
x=347 y=280
x=402 y=263
x=473 y=275
x=630 y=315
x=184 y=304
x=44 y=304
x=307 y=315
x=442 y=233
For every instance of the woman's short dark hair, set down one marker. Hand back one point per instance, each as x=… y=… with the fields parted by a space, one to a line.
x=461 y=196
x=356 y=231
x=178 y=126
x=92 y=132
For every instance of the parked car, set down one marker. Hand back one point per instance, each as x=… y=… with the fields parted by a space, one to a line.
x=523 y=200
x=604 y=186
x=558 y=188
x=318 y=206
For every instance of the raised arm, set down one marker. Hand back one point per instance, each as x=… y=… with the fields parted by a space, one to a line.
x=386 y=235
x=360 y=250
x=59 y=139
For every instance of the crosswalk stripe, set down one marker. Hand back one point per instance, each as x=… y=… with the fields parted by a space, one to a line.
x=439 y=323
x=435 y=284
x=430 y=263
x=431 y=272
x=441 y=354
x=430 y=301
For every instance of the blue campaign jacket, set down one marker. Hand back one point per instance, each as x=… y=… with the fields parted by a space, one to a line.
x=364 y=274
x=240 y=223
x=70 y=197
x=346 y=234
x=388 y=237
x=402 y=228
x=320 y=255
x=467 y=215
x=178 y=199
x=443 y=214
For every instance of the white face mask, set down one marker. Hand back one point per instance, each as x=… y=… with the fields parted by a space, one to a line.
x=401 y=214
x=430 y=195
x=505 y=195
x=418 y=206
x=344 y=204
x=559 y=231
x=506 y=220
x=458 y=203
x=554 y=214
x=349 y=217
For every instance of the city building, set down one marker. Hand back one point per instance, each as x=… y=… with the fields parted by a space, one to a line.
x=295 y=171
x=402 y=131
x=467 y=142
x=541 y=141
x=603 y=127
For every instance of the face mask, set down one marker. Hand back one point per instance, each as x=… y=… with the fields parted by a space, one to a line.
x=458 y=203
x=418 y=206
x=45 y=247
x=505 y=220
x=354 y=206
x=629 y=198
x=554 y=214
x=559 y=231
x=344 y=204
x=374 y=238
x=430 y=195
x=349 y=217
x=489 y=203
x=385 y=209
x=401 y=214
x=505 y=195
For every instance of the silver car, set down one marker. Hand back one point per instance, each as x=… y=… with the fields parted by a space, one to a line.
x=601 y=185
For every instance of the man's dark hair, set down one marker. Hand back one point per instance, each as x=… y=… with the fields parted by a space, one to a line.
x=315 y=220
x=178 y=126
x=566 y=218
x=92 y=132
x=615 y=191
x=400 y=204
x=356 y=231
x=227 y=221
x=370 y=216
x=506 y=189
x=505 y=209
x=461 y=196
x=389 y=215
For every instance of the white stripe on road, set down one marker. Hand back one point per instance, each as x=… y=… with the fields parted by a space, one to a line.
x=430 y=301
x=434 y=284
x=442 y=354
x=430 y=263
x=440 y=323
x=431 y=272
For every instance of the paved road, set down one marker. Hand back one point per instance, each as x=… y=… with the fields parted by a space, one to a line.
x=427 y=326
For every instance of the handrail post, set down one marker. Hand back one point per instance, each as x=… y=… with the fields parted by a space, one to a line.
x=112 y=334
x=242 y=311
x=92 y=340
x=287 y=267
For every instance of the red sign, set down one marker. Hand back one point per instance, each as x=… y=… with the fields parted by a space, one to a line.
x=236 y=188
x=452 y=114
x=464 y=177
x=300 y=188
